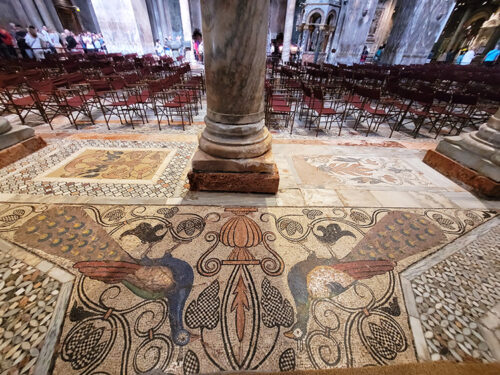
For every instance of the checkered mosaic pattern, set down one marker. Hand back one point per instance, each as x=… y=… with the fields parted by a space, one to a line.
x=18 y=178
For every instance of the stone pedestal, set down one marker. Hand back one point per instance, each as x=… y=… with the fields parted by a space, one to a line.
x=234 y=149
x=472 y=158
x=16 y=142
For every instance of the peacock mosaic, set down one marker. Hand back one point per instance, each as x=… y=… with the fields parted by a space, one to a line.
x=185 y=289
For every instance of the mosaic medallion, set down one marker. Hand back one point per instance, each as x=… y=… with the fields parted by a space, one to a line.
x=191 y=289
x=138 y=165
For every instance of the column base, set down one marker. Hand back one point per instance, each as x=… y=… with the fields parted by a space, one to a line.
x=240 y=182
x=20 y=150
x=453 y=169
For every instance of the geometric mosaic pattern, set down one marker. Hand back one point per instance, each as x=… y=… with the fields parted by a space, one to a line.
x=23 y=177
x=452 y=297
x=27 y=301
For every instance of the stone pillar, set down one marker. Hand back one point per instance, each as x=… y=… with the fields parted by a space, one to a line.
x=186 y=20
x=458 y=31
x=287 y=36
x=417 y=26
x=32 y=13
x=195 y=7
x=473 y=158
x=356 y=22
x=49 y=5
x=125 y=25
x=44 y=12
x=165 y=27
x=235 y=147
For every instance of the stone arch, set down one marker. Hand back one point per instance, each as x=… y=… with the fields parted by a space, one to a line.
x=477 y=16
x=314 y=13
x=332 y=18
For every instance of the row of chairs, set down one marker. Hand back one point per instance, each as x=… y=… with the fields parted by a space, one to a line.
x=126 y=96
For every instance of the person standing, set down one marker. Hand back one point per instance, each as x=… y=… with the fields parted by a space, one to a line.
x=55 y=40
x=492 y=56
x=364 y=55
x=8 y=41
x=21 y=42
x=468 y=57
x=34 y=41
x=158 y=48
x=70 y=41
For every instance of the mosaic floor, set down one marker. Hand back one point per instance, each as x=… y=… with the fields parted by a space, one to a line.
x=185 y=288
x=101 y=168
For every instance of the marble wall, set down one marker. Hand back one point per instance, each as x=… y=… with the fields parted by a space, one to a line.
x=125 y=25
x=417 y=26
x=381 y=25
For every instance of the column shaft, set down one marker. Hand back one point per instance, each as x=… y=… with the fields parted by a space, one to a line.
x=186 y=20
x=415 y=32
x=235 y=147
x=287 y=37
x=32 y=13
x=44 y=12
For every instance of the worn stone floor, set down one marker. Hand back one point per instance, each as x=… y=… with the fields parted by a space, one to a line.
x=366 y=256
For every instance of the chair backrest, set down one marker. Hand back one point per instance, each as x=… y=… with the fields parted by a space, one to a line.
x=464 y=99
x=367 y=92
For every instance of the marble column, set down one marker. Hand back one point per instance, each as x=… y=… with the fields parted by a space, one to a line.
x=186 y=20
x=235 y=147
x=45 y=14
x=49 y=5
x=195 y=8
x=473 y=158
x=417 y=26
x=287 y=36
x=458 y=31
x=125 y=25
x=165 y=27
x=32 y=13
x=356 y=21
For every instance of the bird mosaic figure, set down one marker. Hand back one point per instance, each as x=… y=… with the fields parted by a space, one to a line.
x=396 y=236
x=149 y=271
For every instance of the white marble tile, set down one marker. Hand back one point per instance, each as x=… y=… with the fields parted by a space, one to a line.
x=357 y=198
x=395 y=199
x=464 y=200
x=321 y=197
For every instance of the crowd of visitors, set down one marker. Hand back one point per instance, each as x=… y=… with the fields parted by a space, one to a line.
x=174 y=47
x=34 y=43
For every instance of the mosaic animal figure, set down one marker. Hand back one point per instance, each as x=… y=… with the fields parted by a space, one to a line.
x=69 y=232
x=396 y=236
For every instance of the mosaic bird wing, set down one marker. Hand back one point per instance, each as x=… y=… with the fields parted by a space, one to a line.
x=108 y=272
x=69 y=232
x=396 y=236
x=365 y=269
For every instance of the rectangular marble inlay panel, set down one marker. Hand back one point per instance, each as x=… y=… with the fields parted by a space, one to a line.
x=120 y=165
x=361 y=171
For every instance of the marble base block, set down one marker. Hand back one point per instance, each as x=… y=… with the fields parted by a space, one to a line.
x=16 y=134
x=20 y=150
x=453 y=169
x=242 y=182
x=208 y=163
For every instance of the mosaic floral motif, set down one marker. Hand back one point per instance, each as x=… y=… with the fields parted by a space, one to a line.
x=112 y=164
x=189 y=289
x=362 y=171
